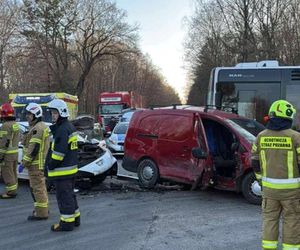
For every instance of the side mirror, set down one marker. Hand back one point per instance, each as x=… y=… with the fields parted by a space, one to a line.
x=199 y=153
x=218 y=100
x=107 y=134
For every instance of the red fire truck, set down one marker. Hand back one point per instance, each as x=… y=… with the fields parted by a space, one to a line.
x=111 y=105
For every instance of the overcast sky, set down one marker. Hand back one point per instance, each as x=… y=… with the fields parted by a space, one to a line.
x=161 y=34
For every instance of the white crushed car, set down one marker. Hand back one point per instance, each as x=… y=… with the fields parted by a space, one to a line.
x=94 y=158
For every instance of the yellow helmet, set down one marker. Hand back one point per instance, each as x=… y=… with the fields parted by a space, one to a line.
x=282 y=109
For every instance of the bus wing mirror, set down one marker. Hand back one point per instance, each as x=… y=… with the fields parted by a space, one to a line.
x=218 y=100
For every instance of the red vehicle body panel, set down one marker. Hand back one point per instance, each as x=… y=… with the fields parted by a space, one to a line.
x=167 y=137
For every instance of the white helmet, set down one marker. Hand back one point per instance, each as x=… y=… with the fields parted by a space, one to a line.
x=34 y=109
x=60 y=106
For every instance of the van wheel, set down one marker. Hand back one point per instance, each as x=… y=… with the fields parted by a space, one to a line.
x=251 y=189
x=147 y=173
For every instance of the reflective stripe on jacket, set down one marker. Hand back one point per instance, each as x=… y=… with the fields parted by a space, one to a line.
x=278 y=153
x=36 y=145
x=63 y=161
x=9 y=140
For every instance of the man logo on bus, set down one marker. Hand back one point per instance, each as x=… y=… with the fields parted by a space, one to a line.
x=235 y=75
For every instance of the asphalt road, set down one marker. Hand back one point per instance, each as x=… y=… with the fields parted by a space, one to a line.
x=119 y=215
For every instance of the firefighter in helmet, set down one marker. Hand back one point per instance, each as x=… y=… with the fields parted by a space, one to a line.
x=36 y=145
x=9 y=140
x=276 y=162
x=63 y=166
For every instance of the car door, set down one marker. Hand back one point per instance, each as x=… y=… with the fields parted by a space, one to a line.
x=177 y=138
x=204 y=170
x=174 y=146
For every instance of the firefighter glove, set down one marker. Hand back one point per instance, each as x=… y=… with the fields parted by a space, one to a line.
x=20 y=168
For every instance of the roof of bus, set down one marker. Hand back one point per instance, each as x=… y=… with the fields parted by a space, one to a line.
x=265 y=64
x=259 y=68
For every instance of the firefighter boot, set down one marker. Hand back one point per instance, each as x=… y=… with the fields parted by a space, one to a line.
x=77 y=221
x=34 y=217
x=7 y=196
x=77 y=216
x=63 y=226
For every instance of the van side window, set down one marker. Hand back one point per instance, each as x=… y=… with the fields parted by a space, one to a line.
x=176 y=128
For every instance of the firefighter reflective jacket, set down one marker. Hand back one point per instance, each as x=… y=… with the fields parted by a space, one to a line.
x=63 y=161
x=9 y=141
x=276 y=161
x=36 y=145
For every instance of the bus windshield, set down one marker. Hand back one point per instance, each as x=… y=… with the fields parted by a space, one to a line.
x=250 y=99
x=250 y=88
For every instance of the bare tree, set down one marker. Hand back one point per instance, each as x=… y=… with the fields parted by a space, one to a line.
x=102 y=32
x=134 y=72
x=269 y=15
x=223 y=33
x=288 y=35
x=9 y=14
x=239 y=17
x=84 y=47
x=49 y=25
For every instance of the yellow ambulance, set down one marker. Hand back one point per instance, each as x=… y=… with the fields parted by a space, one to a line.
x=19 y=101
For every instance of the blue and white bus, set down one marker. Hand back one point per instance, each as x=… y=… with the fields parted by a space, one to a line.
x=250 y=88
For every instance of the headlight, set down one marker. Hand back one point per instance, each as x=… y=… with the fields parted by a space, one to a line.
x=112 y=141
x=100 y=162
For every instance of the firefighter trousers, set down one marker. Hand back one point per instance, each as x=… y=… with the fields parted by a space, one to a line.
x=67 y=202
x=38 y=191
x=9 y=175
x=289 y=210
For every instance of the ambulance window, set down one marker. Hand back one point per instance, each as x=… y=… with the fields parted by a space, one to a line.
x=176 y=128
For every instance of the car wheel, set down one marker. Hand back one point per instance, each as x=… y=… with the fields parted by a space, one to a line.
x=98 y=178
x=251 y=189
x=148 y=173
x=114 y=169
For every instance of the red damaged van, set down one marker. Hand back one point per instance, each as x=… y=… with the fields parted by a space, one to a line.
x=193 y=145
